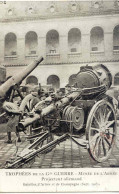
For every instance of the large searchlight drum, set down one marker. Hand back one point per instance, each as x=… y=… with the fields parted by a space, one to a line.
x=90 y=77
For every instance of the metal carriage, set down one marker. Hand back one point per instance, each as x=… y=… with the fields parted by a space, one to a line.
x=85 y=109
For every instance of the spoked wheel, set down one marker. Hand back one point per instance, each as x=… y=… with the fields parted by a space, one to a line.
x=36 y=129
x=27 y=106
x=101 y=130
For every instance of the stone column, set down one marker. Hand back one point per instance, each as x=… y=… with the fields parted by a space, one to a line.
x=85 y=41
x=42 y=46
x=21 y=48
x=2 y=50
x=63 y=41
x=108 y=45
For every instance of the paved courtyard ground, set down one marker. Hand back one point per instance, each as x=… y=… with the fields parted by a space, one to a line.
x=65 y=155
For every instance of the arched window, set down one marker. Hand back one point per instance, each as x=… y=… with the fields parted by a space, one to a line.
x=72 y=79
x=10 y=44
x=116 y=38
x=54 y=81
x=116 y=79
x=32 y=80
x=74 y=40
x=97 y=39
x=52 y=42
x=31 y=43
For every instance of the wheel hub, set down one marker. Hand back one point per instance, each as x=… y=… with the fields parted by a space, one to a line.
x=102 y=134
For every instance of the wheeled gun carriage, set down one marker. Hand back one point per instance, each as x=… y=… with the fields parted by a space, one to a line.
x=86 y=109
x=9 y=92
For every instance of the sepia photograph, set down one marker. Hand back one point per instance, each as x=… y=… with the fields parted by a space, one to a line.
x=59 y=84
x=59 y=89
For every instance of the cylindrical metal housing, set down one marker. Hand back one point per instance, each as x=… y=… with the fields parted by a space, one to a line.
x=74 y=115
x=90 y=76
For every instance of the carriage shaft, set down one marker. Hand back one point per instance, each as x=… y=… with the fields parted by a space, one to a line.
x=31 y=152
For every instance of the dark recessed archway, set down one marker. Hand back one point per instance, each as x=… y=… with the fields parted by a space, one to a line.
x=54 y=81
x=74 y=40
x=116 y=38
x=97 y=39
x=31 y=43
x=10 y=44
x=32 y=80
x=116 y=79
x=52 y=42
x=72 y=79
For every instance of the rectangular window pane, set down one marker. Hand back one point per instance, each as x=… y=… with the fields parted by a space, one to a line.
x=13 y=53
x=116 y=47
x=73 y=50
x=94 y=48
x=33 y=52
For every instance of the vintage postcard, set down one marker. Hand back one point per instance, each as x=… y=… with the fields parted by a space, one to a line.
x=59 y=96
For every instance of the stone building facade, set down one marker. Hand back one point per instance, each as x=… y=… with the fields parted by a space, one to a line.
x=67 y=34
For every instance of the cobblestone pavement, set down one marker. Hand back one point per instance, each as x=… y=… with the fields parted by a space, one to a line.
x=65 y=155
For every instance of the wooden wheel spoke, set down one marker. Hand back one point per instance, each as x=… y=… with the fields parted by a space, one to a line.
x=113 y=134
x=101 y=116
x=2 y=114
x=110 y=128
x=99 y=146
x=104 y=149
x=105 y=111
x=109 y=123
x=94 y=137
x=30 y=104
x=109 y=133
x=108 y=115
x=106 y=140
x=96 y=143
x=96 y=120
x=95 y=129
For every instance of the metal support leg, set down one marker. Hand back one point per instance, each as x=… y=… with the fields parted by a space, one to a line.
x=9 y=138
